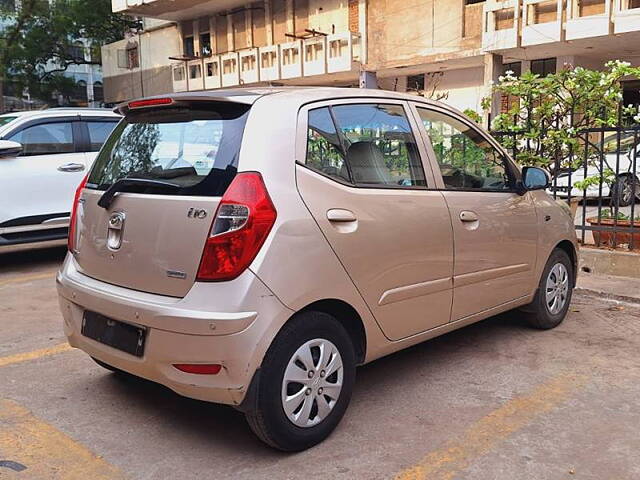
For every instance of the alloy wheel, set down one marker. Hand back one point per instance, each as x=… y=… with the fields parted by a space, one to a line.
x=557 y=288
x=312 y=382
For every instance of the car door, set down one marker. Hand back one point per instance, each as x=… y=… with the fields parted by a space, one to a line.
x=495 y=228
x=361 y=176
x=39 y=184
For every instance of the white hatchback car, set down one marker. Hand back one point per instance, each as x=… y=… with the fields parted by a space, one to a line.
x=55 y=148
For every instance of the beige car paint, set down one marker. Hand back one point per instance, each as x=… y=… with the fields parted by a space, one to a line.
x=296 y=266
x=158 y=238
x=494 y=256
x=399 y=254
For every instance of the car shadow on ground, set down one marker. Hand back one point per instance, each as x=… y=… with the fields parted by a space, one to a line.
x=223 y=427
x=14 y=261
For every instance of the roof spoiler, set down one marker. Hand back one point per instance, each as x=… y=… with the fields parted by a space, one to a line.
x=183 y=99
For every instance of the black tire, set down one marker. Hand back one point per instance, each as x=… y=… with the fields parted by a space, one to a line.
x=539 y=314
x=268 y=419
x=622 y=193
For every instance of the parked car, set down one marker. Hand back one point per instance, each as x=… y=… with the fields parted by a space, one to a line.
x=46 y=155
x=624 y=188
x=252 y=247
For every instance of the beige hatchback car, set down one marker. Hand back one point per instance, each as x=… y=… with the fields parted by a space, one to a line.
x=252 y=247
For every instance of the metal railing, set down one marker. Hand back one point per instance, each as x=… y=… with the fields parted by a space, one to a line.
x=599 y=179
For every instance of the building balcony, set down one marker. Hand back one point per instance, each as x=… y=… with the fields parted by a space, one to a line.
x=500 y=25
x=626 y=16
x=588 y=18
x=173 y=10
x=310 y=57
x=542 y=22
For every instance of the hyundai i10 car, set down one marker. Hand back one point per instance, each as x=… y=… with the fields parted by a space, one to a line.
x=253 y=247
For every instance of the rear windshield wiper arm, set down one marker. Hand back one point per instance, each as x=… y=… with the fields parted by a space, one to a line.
x=121 y=185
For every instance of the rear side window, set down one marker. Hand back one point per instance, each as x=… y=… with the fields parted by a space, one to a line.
x=324 y=152
x=364 y=144
x=46 y=138
x=98 y=133
x=195 y=147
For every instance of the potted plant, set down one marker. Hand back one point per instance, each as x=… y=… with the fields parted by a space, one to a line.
x=609 y=237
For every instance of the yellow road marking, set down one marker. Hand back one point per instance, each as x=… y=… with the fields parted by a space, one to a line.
x=28 y=278
x=26 y=356
x=446 y=462
x=46 y=452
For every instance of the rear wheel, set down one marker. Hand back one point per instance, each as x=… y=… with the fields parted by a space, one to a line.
x=305 y=385
x=622 y=191
x=552 y=300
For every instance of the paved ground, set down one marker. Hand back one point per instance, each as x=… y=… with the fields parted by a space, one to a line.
x=492 y=401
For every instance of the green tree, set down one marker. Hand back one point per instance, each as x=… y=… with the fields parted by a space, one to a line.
x=549 y=118
x=39 y=39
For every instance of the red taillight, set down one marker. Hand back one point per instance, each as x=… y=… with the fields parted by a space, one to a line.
x=243 y=220
x=71 y=239
x=152 y=102
x=199 y=368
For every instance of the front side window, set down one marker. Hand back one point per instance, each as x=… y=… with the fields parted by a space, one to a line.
x=45 y=139
x=196 y=148
x=467 y=160
x=364 y=144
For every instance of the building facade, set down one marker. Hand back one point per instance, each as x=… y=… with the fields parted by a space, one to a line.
x=446 y=49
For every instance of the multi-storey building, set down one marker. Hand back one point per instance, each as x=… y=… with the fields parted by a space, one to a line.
x=450 y=49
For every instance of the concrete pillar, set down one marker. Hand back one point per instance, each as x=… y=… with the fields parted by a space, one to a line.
x=492 y=70
x=196 y=37
x=525 y=66
x=213 y=38
x=230 y=41
x=565 y=61
x=289 y=8
x=362 y=28
x=368 y=79
x=248 y=21
x=268 y=22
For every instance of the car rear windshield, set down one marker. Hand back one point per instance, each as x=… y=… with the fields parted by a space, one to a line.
x=195 y=148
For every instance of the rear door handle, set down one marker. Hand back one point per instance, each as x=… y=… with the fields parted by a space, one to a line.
x=340 y=215
x=71 y=167
x=468 y=216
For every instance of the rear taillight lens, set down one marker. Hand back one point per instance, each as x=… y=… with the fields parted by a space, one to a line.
x=72 y=240
x=243 y=220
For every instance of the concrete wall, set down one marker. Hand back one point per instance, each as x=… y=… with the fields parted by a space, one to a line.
x=137 y=83
x=402 y=32
x=154 y=47
x=465 y=88
x=329 y=15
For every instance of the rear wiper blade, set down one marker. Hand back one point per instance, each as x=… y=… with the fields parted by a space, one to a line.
x=121 y=185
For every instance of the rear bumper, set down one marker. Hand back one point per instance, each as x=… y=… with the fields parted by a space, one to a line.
x=230 y=323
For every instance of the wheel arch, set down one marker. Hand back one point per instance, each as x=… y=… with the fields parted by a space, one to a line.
x=570 y=249
x=348 y=317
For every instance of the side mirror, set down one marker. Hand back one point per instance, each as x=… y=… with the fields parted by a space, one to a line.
x=9 y=148
x=534 y=178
